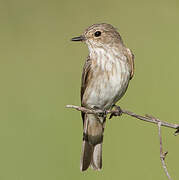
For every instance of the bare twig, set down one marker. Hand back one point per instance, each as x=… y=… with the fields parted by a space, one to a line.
x=163 y=154
x=147 y=118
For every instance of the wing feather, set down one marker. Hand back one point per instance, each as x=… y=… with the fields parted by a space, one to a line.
x=130 y=58
x=86 y=75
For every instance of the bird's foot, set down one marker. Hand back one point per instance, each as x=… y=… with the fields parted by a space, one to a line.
x=101 y=113
x=117 y=111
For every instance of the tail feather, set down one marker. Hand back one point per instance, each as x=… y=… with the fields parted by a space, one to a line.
x=87 y=154
x=91 y=156
x=96 y=162
x=92 y=143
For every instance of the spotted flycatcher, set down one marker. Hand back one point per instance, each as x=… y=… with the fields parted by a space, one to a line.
x=106 y=74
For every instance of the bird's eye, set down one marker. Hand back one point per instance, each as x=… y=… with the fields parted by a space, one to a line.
x=97 y=33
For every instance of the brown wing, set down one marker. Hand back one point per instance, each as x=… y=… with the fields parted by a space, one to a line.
x=84 y=80
x=130 y=58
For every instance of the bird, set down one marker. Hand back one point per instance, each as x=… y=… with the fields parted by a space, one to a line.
x=107 y=71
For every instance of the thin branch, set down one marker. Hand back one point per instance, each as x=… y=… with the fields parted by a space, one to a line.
x=147 y=118
x=163 y=154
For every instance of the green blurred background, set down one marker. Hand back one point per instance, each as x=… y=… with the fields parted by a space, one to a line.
x=40 y=71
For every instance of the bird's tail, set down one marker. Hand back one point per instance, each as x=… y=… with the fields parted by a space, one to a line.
x=92 y=142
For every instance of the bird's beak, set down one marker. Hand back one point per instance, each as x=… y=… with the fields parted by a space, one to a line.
x=80 y=38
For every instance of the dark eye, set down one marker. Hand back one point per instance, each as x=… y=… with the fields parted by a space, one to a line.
x=97 y=33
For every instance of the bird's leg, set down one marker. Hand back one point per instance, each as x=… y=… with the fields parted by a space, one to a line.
x=118 y=111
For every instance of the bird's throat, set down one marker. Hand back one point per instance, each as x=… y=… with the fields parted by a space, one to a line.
x=105 y=59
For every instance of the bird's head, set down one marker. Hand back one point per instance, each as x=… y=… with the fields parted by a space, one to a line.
x=100 y=36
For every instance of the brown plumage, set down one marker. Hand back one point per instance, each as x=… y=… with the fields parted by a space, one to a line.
x=105 y=78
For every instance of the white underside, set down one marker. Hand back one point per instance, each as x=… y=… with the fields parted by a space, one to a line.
x=108 y=88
